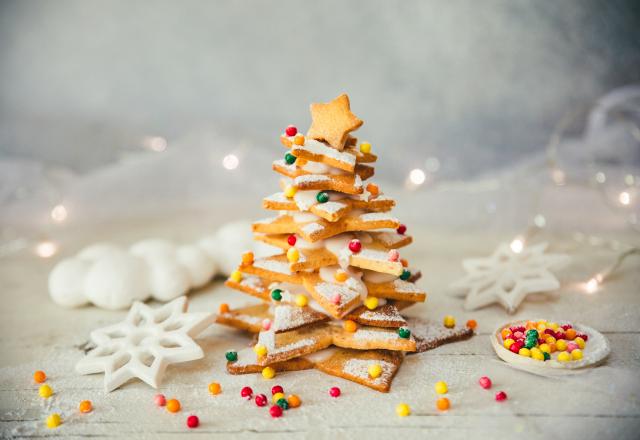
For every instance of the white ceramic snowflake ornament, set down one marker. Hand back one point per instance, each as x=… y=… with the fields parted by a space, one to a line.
x=145 y=343
x=507 y=277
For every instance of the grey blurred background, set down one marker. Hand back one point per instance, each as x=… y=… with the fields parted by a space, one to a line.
x=477 y=84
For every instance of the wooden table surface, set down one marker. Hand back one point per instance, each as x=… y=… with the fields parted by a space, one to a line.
x=600 y=403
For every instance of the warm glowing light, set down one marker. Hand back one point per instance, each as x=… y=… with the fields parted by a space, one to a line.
x=624 y=198
x=59 y=213
x=591 y=286
x=417 y=176
x=601 y=177
x=540 y=221
x=155 y=143
x=46 y=249
x=517 y=245
x=558 y=176
x=230 y=162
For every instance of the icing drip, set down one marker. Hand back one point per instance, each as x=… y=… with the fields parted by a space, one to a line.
x=371 y=276
x=305 y=199
x=339 y=246
x=303 y=217
x=301 y=243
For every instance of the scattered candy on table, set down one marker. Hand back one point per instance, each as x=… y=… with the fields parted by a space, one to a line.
x=276 y=389
x=268 y=372
x=485 y=382
x=246 y=392
x=449 y=321
x=472 y=324
x=85 y=406
x=403 y=410
x=53 y=421
x=45 y=391
x=275 y=411
x=160 y=400
x=276 y=397
x=215 y=388
x=334 y=392
x=173 y=405
x=282 y=403
x=443 y=404
x=39 y=376
x=261 y=400
x=501 y=396
x=441 y=387
x=193 y=421
x=294 y=401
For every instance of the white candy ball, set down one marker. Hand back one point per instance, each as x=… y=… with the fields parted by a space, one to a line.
x=116 y=280
x=98 y=250
x=167 y=279
x=198 y=264
x=66 y=282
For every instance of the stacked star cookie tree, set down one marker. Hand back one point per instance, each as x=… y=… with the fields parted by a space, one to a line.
x=340 y=280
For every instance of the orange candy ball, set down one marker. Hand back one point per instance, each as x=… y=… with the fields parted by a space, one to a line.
x=373 y=189
x=505 y=333
x=224 y=308
x=570 y=334
x=404 y=262
x=443 y=404
x=247 y=258
x=85 y=406
x=215 y=388
x=341 y=276
x=39 y=376
x=173 y=405
x=472 y=324
x=350 y=326
x=293 y=401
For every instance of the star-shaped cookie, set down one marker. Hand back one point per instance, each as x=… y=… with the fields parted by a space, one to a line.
x=145 y=343
x=333 y=121
x=507 y=277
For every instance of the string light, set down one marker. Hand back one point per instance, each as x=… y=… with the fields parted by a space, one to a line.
x=417 y=176
x=46 y=249
x=155 y=143
x=591 y=286
x=517 y=245
x=230 y=162
x=624 y=198
x=59 y=213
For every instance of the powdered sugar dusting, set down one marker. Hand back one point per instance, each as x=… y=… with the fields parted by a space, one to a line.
x=318 y=148
x=377 y=216
x=310 y=178
x=360 y=368
x=273 y=266
x=402 y=286
x=373 y=335
x=312 y=228
x=329 y=290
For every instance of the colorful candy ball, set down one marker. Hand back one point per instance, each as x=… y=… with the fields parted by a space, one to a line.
x=276 y=389
x=215 y=388
x=45 y=391
x=294 y=401
x=291 y=239
x=393 y=255
x=355 y=246
x=485 y=382
x=160 y=400
x=449 y=321
x=403 y=410
x=193 y=421
x=173 y=405
x=334 y=392
x=39 y=376
x=85 y=406
x=441 y=387
x=374 y=370
x=350 y=326
x=371 y=302
x=268 y=373
x=277 y=396
x=261 y=400
x=405 y=275
x=401 y=229
x=231 y=356
x=282 y=403
x=275 y=411
x=53 y=421
x=443 y=404
x=501 y=396
x=472 y=324
x=291 y=130
x=404 y=332
x=246 y=392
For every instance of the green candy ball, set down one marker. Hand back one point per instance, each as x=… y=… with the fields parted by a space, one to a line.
x=231 y=356
x=276 y=294
x=289 y=158
x=546 y=355
x=530 y=343
x=322 y=197
x=282 y=403
x=532 y=334
x=405 y=275
x=404 y=332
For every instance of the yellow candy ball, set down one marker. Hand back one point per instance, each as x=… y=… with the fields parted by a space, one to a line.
x=45 y=391
x=564 y=357
x=508 y=343
x=550 y=340
x=365 y=147
x=375 y=370
x=561 y=345
x=524 y=352
x=260 y=350
x=541 y=327
x=302 y=300
x=537 y=355
x=545 y=348
x=290 y=191
x=449 y=321
x=441 y=387
x=403 y=410
x=277 y=396
x=293 y=255
x=268 y=373
x=236 y=276
x=576 y=354
x=554 y=325
x=580 y=342
x=53 y=421
x=371 y=302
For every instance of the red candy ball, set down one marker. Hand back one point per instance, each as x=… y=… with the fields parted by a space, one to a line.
x=193 y=421
x=355 y=246
x=516 y=346
x=291 y=239
x=246 y=392
x=334 y=391
x=485 y=382
x=160 y=400
x=501 y=396
x=275 y=411
x=583 y=336
x=401 y=229
x=276 y=389
x=261 y=400
x=291 y=130
x=566 y=327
